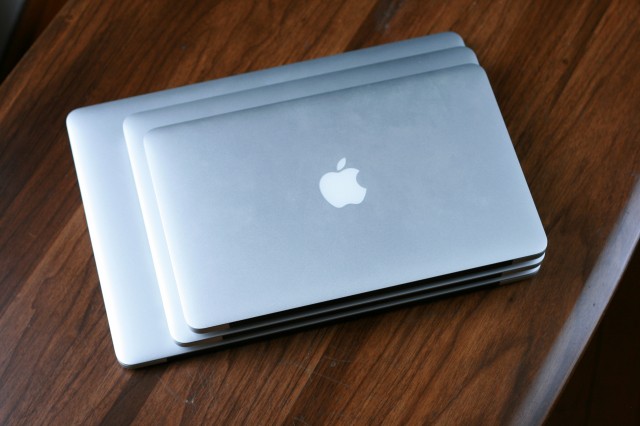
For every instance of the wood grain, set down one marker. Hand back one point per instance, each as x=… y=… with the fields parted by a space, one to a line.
x=566 y=78
x=34 y=18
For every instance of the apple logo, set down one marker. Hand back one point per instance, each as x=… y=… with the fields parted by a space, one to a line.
x=340 y=188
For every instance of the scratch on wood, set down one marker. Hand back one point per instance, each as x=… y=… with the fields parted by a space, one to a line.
x=335 y=361
x=168 y=389
x=301 y=420
x=312 y=372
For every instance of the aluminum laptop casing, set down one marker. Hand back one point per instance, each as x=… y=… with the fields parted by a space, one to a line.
x=250 y=234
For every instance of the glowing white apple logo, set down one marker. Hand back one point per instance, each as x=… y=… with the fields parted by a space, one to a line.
x=341 y=188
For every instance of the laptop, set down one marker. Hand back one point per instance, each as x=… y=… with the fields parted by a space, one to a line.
x=370 y=190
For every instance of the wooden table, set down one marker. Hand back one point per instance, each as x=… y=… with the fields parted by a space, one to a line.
x=566 y=75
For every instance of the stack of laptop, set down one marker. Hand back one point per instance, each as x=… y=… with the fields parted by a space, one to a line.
x=265 y=202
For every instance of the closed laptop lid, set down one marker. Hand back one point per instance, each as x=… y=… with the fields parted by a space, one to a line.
x=328 y=196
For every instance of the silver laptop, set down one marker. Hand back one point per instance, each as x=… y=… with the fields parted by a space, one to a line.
x=340 y=195
x=121 y=250
x=137 y=125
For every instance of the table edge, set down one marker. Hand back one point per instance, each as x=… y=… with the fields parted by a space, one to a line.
x=585 y=316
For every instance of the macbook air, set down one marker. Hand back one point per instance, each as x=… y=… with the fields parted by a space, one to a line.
x=340 y=194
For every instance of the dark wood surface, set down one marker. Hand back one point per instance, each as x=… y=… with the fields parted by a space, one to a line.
x=566 y=77
x=604 y=387
x=34 y=18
